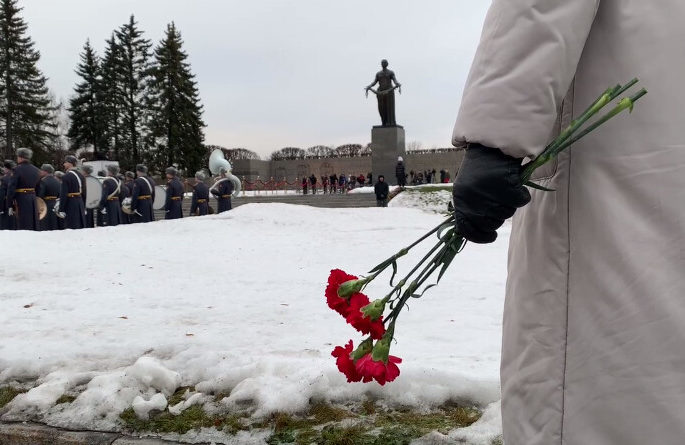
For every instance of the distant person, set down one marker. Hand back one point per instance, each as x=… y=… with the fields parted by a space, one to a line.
x=199 y=204
x=334 y=183
x=21 y=191
x=48 y=190
x=305 y=183
x=72 y=201
x=382 y=190
x=312 y=182
x=87 y=171
x=110 y=204
x=400 y=173
x=342 y=182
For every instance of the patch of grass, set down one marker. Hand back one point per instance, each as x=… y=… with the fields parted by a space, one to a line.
x=335 y=435
x=321 y=424
x=8 y=393
x=368 y=407
x=192 y=418
x=324 y=413
x=177 y=397
x=64 y=398
x=497 y=441
x=413 y=425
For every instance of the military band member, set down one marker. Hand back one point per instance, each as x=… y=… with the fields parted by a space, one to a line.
x=48 y=190
x=127 y=189
x=7 y=221
x=21 y=191
x=87 y=171
x=59 y=174
x=110 y=204
x=223 y=190
x=200 y=202
x=143 y=196
x=72 y=198
x=174 y=195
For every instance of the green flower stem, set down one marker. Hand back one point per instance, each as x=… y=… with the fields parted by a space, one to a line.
x=404 y=280
x=566 y=138
x=625 y=104
x=388 y=262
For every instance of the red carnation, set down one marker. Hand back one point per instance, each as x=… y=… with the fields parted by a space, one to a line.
x=345 y=362
x=361 y=322
x=335 y=302
x=382 y=372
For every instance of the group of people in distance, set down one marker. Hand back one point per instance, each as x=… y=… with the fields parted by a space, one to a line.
x=125 y=199
x=334 y=183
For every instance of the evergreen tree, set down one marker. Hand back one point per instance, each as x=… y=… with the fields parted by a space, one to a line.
x=132 y=59
x=112 y=97
x=177 y=126
x=25 y=110
x=86 y=108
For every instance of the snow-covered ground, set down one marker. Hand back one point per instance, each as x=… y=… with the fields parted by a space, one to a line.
x=234 y=304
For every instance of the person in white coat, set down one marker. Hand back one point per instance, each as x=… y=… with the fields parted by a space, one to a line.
x=594 y=317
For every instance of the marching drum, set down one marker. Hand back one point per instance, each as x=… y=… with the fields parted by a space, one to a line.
x=160 y=198
x=93 y=192
x=42 y=208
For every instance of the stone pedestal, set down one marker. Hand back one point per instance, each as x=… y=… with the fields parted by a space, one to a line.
x=387 y=143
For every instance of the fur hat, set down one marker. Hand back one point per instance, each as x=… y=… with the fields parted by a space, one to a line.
x=113 y=169
x=59 y=174
x=72 y=160
x=47 y=168
x=399 y=159
x=25 y=153
x=9 y=164
x=141 y=168
x=87 y=169
x=200 y=176
x=171 y=171
x=130 y=175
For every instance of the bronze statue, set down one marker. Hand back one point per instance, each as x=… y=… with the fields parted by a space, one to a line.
x=387 y=83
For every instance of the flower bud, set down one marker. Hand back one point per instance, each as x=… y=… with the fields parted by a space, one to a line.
x=382 y=349
x=364 y=348
x=351 y=287
x=374 y=310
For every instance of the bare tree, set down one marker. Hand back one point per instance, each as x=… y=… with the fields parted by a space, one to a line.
x=319 y=151
x=288 y=153
x=414 y=146
x=348 y=150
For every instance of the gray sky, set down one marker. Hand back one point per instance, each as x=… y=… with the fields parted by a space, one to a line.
x=276 y=73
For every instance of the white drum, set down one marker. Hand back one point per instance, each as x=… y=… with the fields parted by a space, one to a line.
x=93 y=192
x=160 y=198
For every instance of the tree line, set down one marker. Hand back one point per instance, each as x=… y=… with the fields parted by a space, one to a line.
x=135 y=104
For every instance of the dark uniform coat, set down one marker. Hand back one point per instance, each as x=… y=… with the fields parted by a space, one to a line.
x=6 y=221
x=22 y=191
x=200 y=203
x=141 y=199
x=223 y=193
x=174 y=199
x=72 y=200
x=110 y=201
x=49 y=189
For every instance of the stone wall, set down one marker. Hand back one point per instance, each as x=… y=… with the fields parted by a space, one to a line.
x=296 y=168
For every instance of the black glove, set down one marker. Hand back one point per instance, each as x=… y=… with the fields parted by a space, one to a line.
x=487 y=191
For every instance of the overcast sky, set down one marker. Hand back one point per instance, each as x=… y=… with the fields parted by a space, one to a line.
x=276 y=73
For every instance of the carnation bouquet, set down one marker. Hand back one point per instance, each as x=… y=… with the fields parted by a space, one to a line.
x=371 y=359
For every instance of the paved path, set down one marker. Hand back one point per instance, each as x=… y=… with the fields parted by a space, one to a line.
x=318 y=200
x=35 y=434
